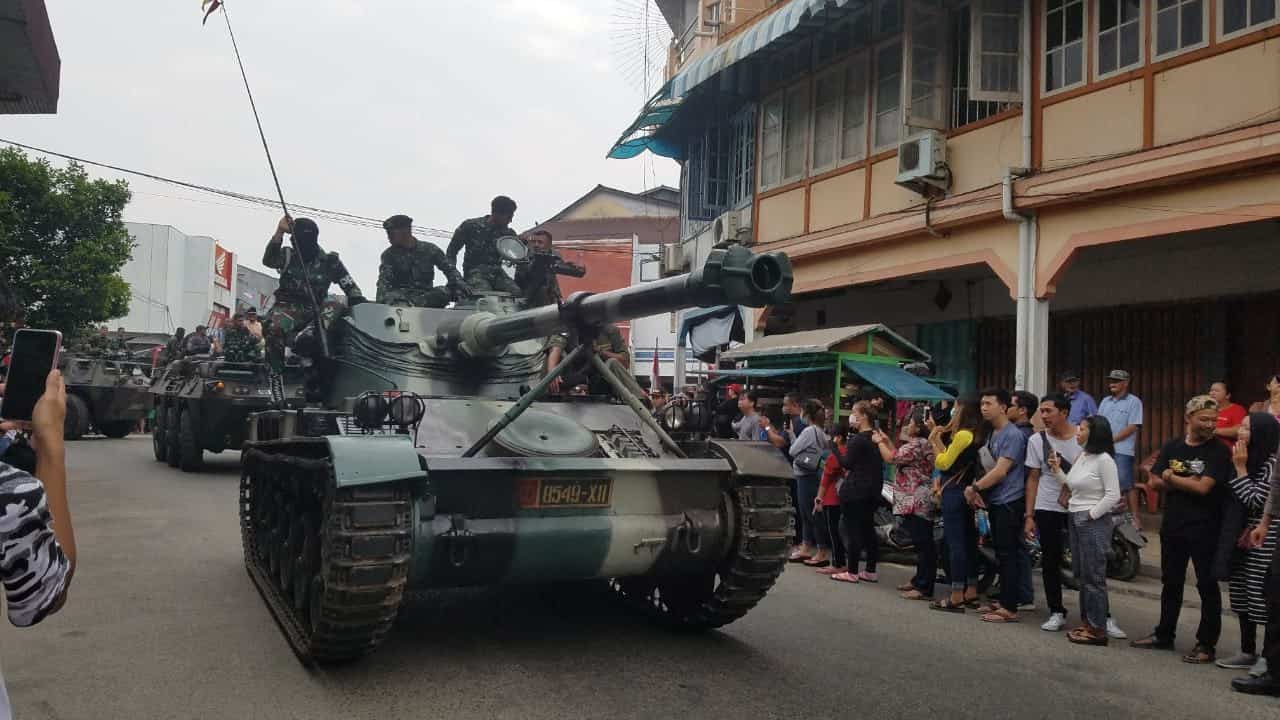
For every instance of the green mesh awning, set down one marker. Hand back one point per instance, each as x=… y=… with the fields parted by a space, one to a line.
x=896 y=382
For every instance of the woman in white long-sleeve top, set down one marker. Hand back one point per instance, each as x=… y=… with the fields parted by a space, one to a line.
x=1095 y=489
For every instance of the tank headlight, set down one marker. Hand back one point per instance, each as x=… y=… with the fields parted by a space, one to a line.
x=370 y=411
x=407 y=409
x=674 y=418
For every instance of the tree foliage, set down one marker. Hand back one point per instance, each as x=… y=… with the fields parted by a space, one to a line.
x=63 y=242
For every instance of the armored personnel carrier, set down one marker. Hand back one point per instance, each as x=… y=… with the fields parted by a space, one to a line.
x=439 y=461
x=203 y=403
x=107 y=393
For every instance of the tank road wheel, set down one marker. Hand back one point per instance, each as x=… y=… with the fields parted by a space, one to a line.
x=331 y=563
x=76 y=423
x=117 y=429
x=172 y=429
x=157 y=434
x=762 y=516
x=190 y=454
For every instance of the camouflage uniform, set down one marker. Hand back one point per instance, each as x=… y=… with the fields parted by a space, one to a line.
x=98 y=344
x=239 y=345
x=172 y=351
x=481 y=265
x=406 y=276
x=537 y=278
x=292 y=309
x=610 y=338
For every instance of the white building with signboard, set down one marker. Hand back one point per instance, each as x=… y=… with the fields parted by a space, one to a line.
x=176 y=280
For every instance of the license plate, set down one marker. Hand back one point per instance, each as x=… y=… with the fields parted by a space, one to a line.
x=554 y=493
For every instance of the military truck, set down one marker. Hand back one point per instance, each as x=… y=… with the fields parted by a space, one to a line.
x=108 y=393
x=439 y=460
x=203 y=404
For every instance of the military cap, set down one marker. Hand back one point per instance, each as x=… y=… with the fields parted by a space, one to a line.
x=397 y=222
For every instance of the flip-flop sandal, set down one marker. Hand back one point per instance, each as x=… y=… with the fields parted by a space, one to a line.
x=945 y=606
x=845 y=577
x=914 y=594
x=998 y=618
x=988 y=608
x=818 y=564
x=904 y=587
x=797 y=557
x=1199 y=656
x=973 y=604
x=1080 y=636
x=832 y=571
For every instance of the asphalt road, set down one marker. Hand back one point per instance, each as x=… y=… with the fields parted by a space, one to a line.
x=164 y=623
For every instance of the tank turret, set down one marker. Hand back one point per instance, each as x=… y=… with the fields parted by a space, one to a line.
x=731 y=276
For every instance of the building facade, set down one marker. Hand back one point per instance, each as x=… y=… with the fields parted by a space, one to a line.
x=1017 y=187
x=177 y=280
x=30 y=69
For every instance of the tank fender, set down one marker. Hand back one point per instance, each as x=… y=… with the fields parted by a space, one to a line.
x=758 y=459
x=369 y=460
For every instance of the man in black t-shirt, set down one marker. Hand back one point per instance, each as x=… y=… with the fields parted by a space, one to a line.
x=1193 y=470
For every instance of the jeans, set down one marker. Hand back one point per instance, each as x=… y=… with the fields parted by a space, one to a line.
x=921 y=531
x=961 y=536
x=806 y=493
x=1090 y=540
x=1175 y=552
x=857 y=519
x=1053 y=539
x=1006 y=533
x=828 y=522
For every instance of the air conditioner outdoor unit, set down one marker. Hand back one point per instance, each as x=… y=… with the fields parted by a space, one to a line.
x=672 y=261
x=733 y=227
x=922 y=163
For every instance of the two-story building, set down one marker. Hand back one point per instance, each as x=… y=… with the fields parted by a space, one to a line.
x=1017 y=187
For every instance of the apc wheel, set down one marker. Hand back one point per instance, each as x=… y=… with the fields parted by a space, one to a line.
x=171 y=433
x=157 y=434
x=117 y=429
x=77 y=420
x=190 y=454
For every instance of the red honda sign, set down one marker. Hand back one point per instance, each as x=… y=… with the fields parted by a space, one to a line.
x=223 y=266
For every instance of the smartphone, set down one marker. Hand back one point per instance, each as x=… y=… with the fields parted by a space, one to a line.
x=34 y=354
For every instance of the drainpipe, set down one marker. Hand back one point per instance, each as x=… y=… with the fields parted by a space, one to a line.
x=1030 y=365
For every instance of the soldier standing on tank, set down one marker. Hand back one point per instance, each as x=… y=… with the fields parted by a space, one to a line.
x=197 y=343
x=239 y=344
x=292 y=311
x=482 y=265
x=119 y=343
x=408 y=269
x=173 y=348
x=537 y=277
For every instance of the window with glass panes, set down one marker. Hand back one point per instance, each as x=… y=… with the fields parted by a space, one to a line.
x=743 y=155
x=771 y=142
x=1179 y=25
x=1240 y=15
x=795 y=130
x=1119 y=35
x=1063 y=43
x=888 y=101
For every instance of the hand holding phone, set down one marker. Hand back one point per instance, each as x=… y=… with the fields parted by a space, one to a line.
x=35 y=352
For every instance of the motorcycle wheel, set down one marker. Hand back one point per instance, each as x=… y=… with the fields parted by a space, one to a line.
x=1123 y=561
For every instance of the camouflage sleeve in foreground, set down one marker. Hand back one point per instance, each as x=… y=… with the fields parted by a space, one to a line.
x=617 y=344
x=32 y=565
x=442 y=261
x=273 y=256
x=386 y=275
x=338 y=274
x=459 y=241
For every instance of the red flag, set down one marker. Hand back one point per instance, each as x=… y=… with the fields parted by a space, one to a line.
x=655 y=375
x=209 y=6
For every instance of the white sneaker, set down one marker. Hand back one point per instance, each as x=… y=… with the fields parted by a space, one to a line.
x=1055 y=623
x=1114 y=632
x=1259 y=668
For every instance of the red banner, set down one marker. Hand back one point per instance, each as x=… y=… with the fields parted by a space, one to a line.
x=224 y=265
x=218 y=317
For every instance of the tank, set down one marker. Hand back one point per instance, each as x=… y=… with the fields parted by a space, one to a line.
x=203 y=404
x=106 y=393
x=439 y=461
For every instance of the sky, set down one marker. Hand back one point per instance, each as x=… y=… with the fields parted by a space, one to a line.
x=421 y=107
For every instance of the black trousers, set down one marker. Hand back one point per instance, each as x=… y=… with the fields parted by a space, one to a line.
x=1006 y=532
x=926 y=553
x=857 y=520
x=828 y=523
x=1053 y=540
x=1175 y=552
x=1271 y=642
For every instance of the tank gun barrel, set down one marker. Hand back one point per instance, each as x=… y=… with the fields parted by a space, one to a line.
x=731 y=276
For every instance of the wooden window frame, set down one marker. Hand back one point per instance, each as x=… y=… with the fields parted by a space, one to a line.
x=1044 y=50
x=1220 y=11
x=1097 y=40
x=975 y=60
x=1153 y=7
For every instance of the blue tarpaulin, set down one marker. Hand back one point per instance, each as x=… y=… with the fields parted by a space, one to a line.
x=896 y=382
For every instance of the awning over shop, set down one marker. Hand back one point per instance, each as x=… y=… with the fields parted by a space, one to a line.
x=720 y=376
x=641 y=135
x=896 y=382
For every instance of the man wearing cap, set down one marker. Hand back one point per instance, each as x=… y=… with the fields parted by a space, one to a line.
x=481 y=264
x=408 y=269
x=292 y=311
x=1123 y=411
x=1082 y=403
x=1193 y=470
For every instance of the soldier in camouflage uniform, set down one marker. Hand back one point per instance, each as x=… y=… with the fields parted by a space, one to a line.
x=173 y=348
x=119 y=343
x=292 y=310
x=609 y=345
x=239 y=345
x=408 y=269
x=481 y=265
x=537 y=276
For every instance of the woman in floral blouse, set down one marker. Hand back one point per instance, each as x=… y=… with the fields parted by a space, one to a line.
x=912 y=499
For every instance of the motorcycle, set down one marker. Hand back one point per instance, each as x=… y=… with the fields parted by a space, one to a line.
x=1124 y=558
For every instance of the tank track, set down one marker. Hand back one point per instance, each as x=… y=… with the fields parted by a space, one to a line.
x=763 y=517
x=331 y=563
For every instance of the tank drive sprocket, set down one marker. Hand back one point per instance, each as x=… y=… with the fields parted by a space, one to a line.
x=331 y=563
